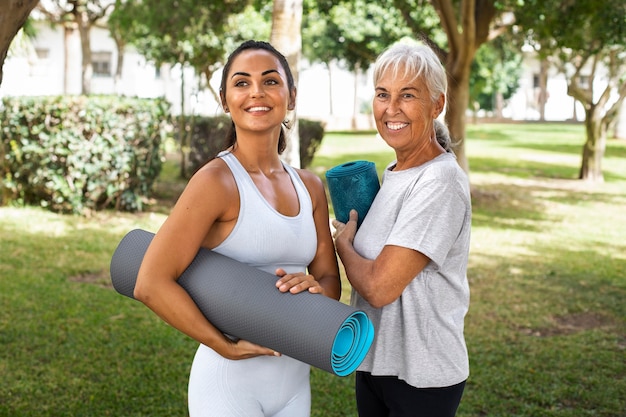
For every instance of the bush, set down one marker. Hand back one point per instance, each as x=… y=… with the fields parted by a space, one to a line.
x=311 y=135
x=209 y=137
x=77 y=153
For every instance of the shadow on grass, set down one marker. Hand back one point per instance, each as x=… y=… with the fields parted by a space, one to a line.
x=527 y=206
x=546 y=331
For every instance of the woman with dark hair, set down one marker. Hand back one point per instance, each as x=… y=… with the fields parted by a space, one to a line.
x=249 y=205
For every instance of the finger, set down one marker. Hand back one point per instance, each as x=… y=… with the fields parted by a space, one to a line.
x=289 y=281
x=354 y=215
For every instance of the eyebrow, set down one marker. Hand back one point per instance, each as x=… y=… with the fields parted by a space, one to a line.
x=403 y=89
x=245 y=74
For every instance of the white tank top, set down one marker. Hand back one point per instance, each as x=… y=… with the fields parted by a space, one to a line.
x=263 y=237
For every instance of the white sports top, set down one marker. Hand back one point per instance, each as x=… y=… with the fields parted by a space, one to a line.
x=263 y=237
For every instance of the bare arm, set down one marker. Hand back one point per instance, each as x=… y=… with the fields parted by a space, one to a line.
x=195 y=217
x=382 y=280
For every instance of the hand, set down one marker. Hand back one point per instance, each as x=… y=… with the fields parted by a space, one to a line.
x=243 y=349
x=298 y=282
x=346 y=231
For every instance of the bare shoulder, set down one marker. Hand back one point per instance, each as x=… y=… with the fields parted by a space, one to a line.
x=214 y=174
x=212 y=186
x=315 y=186
x=313 y=182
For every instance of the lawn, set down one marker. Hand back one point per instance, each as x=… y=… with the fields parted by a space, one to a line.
x=546 y=329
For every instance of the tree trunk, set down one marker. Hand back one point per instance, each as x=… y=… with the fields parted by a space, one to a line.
x=84 y=28
x=119 y=66
x=458 y=102
x=208 y=74
x=286 y=37
x=67 y=48
x=13 y=14
x=498 y=105
x=593 y=150
x=355 y=98
x=543 y=88
x=466 y=28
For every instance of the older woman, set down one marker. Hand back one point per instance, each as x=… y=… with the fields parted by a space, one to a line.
x=407 y=262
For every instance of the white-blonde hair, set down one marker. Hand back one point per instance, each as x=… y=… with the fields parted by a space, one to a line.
x=417 y=60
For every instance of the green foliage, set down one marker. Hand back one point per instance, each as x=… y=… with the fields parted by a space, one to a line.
x=198 y=34
x=209 y=135
x=77 y=153
x=591 y=26
x=496 y=69
x=353 y=32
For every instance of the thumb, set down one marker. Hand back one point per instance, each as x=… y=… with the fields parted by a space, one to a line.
x=354 y=215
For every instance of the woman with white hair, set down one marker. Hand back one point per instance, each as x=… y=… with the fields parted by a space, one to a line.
x=407 y=261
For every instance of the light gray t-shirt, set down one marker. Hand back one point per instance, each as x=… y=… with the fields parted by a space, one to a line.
x=419 y=337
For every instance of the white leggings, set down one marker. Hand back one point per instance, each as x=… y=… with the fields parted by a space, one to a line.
x=263 y=386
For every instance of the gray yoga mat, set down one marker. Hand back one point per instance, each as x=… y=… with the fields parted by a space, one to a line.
x=243 y=301
x=352 y=185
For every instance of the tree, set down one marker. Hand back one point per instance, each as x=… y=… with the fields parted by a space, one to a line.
x=13 y=15
x=286 y=37
x=351 y=33
x=590 y=50
x=188 y=33
x=494 y=75
x=81 y=15
x=467 y=25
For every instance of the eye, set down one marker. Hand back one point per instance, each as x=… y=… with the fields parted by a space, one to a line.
x=272 y=81
x=382 y=95
x=241 y=83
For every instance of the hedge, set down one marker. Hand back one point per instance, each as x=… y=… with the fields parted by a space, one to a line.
x=78 y=153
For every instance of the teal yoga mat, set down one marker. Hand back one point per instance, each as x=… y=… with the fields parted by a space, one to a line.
x=243 y=302
x=352 y=185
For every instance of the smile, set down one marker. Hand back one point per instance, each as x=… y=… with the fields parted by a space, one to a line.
x=255 y=109
x=396 y=126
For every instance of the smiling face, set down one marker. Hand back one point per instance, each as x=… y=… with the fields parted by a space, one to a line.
x=404 y=111
x=256 y=91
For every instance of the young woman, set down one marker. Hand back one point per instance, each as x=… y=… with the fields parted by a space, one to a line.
x=249 y=205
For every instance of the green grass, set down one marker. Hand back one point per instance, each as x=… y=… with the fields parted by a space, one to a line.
x=546 y=329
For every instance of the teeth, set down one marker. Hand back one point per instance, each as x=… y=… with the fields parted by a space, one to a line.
x=251 y=109
x=396 y=126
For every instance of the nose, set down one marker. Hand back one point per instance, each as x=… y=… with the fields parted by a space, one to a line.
x=257 y=90
x=393 y=106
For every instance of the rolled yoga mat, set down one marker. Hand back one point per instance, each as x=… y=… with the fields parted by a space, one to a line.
x=352 y=185
x=243 y=301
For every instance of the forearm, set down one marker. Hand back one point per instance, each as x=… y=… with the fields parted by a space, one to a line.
x=359 y=270
x=331 y=285
x=174 y=306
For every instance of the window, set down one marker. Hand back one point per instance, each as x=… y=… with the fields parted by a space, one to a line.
x=42 y=54
x=39 y=67
x=101 y=62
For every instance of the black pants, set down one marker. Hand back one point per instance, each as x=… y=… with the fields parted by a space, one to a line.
x=388 y=396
